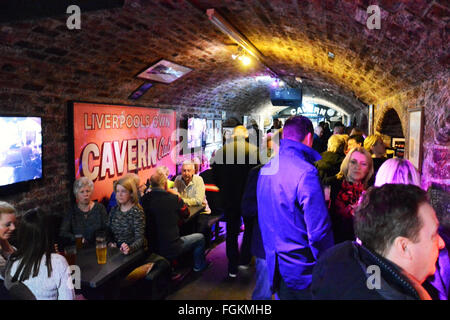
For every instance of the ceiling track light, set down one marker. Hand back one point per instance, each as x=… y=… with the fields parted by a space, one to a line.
x=224 y=26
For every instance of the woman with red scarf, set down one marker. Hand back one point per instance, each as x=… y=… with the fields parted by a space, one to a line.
x=346 y=188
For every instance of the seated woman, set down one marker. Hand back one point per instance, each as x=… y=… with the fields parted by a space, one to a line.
x=86 y=217
x=7 y=227
x=141 y=188
x=346 y=188
x=126 y=221
x=34 y=264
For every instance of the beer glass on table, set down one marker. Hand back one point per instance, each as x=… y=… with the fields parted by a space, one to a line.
x=101 y=248
x=70 y=252
x=79 y=241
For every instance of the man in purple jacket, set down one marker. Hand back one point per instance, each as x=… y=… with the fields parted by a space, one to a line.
x=292 y=214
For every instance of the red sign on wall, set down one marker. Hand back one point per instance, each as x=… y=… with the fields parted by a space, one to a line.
x=112 y=140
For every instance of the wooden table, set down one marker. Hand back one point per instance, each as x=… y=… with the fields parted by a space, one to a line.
x=190 y=223
x=194 y=210
x=94 y=274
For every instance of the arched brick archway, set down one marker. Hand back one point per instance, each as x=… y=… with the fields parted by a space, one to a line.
x=391 y=121
x=390 y=124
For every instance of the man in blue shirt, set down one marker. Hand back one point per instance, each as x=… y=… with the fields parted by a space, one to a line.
x=292 y=214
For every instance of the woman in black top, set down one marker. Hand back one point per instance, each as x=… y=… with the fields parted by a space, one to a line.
x=86 y=217
x=127 y=222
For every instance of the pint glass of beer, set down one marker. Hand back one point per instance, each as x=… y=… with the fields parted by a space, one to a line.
x=101 y=248
x=70 y=252
x=79 y=241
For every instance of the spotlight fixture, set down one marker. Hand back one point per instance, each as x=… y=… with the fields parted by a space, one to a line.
x=241 y=56
x=234 y=34
x=245 y=60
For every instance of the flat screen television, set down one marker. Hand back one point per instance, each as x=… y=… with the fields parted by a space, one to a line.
x=20 y=149
x=196 y=132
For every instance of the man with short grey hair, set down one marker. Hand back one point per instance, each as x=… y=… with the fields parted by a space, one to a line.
x=190 y=186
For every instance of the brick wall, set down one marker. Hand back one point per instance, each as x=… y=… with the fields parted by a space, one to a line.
x=434 y=97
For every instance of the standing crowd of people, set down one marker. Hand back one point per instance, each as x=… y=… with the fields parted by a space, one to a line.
x=335 y=208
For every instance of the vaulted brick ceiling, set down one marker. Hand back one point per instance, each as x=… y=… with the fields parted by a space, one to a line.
x=294 y=36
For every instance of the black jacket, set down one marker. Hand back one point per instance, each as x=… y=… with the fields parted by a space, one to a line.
x=232 y=177
x=329 y=165
x=163 y=212
x=342 y=273
x=249 y=207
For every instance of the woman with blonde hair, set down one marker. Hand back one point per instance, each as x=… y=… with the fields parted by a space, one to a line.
x=127 y=223
x=7 y=227
x=397 y=170
x=345 y=190
x=375 y=145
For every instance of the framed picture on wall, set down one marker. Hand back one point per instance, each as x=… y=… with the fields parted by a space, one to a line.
x=399 y=147
x=370 y=125
x=227 y=133
x=164 y=71
x=415 y=134
x=217 y=130
x=209 y=131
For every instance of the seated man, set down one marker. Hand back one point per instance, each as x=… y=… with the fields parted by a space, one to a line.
x=190 y=186
x=163 y=211
x=191 y=189
x=398 y=248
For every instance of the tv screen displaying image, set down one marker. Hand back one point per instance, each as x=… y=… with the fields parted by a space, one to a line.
x=20 y=149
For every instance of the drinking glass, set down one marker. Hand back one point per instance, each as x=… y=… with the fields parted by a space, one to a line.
x=79 y=241
x=70 y=252
x=101 y=248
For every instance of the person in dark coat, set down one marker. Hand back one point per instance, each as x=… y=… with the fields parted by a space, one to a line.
x=330 y=163
x=318 y=143
x=230 y=168
x=250 y=210
x=163 y=212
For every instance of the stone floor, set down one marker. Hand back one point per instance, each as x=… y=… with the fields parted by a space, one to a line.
x=214 y=283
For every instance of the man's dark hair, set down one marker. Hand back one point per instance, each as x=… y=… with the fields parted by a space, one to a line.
x=296 y=128
x=338 y=124
x=388 y=212
x=358 y=138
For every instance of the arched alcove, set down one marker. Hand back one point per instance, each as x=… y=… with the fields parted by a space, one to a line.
x=364 y=124
x=391 y=124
